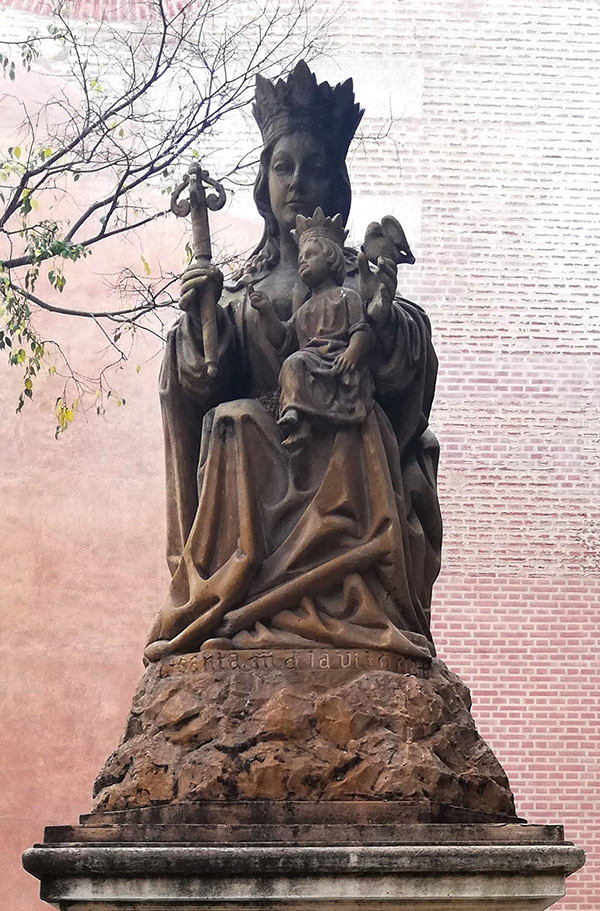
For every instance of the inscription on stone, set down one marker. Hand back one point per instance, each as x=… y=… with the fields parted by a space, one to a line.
x=211 y=661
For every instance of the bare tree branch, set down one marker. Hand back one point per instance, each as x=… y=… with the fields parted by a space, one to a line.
x=127 y=111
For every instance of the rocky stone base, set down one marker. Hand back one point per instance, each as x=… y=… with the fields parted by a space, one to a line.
x=319 y=726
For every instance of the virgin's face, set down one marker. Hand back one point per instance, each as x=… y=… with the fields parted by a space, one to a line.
x=299 y=178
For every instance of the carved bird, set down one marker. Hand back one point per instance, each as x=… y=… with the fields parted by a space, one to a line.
x=388 y=240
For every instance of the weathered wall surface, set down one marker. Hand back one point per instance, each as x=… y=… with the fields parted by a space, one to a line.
x=491 y=162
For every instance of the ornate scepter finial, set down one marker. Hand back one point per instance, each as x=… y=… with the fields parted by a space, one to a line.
x=197 y=206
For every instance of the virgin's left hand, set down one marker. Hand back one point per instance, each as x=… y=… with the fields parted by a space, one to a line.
x=380 y=308
x=385 y=274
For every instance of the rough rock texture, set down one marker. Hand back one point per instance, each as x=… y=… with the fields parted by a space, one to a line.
x=302 y=735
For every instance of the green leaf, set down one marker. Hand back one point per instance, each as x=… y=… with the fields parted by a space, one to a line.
x=17 y=151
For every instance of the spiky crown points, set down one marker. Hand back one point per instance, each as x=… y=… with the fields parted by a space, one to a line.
x=319 y=226
x=299 y=104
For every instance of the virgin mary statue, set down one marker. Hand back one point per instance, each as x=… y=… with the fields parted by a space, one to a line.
x=333 y=545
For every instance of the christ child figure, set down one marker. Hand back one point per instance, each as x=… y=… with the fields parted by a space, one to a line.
x=327 y=380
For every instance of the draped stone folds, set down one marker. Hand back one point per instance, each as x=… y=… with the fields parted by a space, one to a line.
x=337 y=544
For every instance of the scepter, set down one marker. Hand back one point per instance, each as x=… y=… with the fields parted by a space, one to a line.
x=197 y=206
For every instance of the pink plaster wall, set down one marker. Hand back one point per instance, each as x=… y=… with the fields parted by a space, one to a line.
x=492 y=162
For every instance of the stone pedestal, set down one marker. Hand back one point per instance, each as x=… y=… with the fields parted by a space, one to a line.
x=276 y=855
x=304 y=725
x=350 y=780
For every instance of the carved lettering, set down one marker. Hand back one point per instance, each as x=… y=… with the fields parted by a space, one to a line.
x=263 y=661
x=216 y=661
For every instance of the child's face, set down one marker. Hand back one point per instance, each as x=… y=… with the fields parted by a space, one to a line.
x=312 y=264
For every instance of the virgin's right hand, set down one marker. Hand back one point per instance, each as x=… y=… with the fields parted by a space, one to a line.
x=196 y=281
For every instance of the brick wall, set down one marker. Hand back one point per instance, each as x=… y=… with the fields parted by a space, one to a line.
x=498 y=170
x=488 y=148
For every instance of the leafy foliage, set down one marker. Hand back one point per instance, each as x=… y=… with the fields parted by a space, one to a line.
x=126 y=107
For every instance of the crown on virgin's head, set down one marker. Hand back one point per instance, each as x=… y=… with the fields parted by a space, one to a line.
x=320 y=225
x=299 y=104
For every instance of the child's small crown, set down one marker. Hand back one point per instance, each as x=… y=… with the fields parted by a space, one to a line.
x=320 y=225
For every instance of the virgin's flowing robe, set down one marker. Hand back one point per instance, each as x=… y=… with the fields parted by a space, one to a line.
x=337 y=545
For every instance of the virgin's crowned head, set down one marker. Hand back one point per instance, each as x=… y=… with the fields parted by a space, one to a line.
x=306 y=128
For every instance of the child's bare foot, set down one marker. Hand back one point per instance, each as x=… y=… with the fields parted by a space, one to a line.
x=289 y=419
x=296 y=438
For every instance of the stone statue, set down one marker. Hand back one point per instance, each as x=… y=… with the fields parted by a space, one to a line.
x=293 y=737
x=293 y=659
x=336 y=542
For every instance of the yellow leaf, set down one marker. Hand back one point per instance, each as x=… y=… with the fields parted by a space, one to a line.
x=147 y=269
